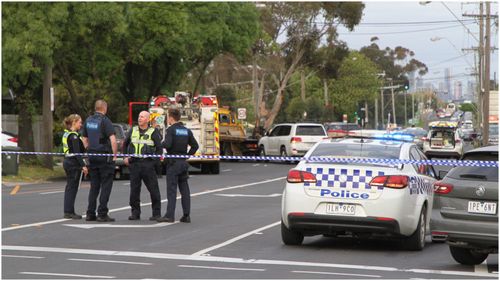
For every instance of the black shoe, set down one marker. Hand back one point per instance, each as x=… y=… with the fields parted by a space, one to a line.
x=72 y=216
x=91 y=218
x=165 y=219
x=154 y=218
x=134 y=218
x=186 y=219
x=105 y=218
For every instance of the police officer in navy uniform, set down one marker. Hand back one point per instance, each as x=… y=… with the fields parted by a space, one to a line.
x=73 y=164
x=176 y=142
x=143 y=140
x=99 y=137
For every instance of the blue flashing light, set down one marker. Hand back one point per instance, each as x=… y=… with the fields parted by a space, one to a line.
x=394 y=137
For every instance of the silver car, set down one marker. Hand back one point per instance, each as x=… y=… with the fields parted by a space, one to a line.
x=465 y=210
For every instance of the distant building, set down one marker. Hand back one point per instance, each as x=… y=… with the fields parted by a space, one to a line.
x=447 y=82
x=457 y=90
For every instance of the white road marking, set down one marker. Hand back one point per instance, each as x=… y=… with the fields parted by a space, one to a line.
x=127 y=183
x=227 y=170
x=107 y=225
x=223 y=268
x=212 y=259
x=481 y=268
x=43 y=193
x=23 y=257
x=63 y=274
x=204 y=251
x=145 y=204
x=249 y=195
x=112 y=261
x=255 y=165
x=334 y=273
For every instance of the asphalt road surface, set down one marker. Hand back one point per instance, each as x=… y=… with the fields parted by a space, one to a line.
x=234 y=234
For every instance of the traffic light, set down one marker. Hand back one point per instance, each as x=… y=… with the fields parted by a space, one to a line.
x=407 y=85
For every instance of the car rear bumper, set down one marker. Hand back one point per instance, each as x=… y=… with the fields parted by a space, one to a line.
x=438 y=153
x=310 y=223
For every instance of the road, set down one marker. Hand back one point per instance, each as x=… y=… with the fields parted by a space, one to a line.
x=234 y=234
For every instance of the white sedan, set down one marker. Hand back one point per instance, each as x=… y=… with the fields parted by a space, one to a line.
x=359 y=199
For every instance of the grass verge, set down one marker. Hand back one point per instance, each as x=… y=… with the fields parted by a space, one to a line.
x=33 y=173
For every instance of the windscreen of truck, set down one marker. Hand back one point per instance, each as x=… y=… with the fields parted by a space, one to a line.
x=308 y=130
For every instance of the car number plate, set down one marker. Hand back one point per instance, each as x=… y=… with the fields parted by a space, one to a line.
x=340 y=209
x=482 y=207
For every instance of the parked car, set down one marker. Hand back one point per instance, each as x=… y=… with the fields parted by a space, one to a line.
x=345 y=198
x=291 y=139
x=9 y=139
x=443 y=140
x=340 y=129
x=121 y=170
x=465 y=212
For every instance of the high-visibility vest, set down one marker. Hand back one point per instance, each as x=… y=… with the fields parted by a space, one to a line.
x=65 y=137
x=142 y=144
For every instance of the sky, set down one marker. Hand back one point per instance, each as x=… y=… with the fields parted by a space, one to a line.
x=449 y=37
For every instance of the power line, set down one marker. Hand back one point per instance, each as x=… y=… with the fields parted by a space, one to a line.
x=399 y=32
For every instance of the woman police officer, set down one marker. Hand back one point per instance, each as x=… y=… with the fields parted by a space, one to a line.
x=73 y=163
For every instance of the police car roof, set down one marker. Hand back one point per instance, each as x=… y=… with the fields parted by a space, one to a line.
x=365 y=141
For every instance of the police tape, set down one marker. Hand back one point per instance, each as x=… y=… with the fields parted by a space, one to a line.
x=319 y=159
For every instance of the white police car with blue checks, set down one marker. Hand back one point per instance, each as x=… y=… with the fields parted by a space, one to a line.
x=334 y=198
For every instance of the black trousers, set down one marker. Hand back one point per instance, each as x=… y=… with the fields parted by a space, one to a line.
x=101 y=181
x=144 y=170
x=73 y=172
x=177 y=176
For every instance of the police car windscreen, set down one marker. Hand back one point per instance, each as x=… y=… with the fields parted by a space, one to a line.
x=310 y=131
x=345 y=150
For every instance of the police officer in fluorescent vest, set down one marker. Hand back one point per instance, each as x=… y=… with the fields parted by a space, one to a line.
x=143 y=140
x=176 y=142
x=73 y=164
x=99 y=137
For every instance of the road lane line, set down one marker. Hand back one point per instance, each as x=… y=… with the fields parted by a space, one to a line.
x=51 y=192
x=212 y=259
x=67 y=275
x=335 y=273
x=146 y=204
x=15 y=190
x=223 y=268
x=227 y=170
x=23 y=257
x=230 y=241
x=112 y=261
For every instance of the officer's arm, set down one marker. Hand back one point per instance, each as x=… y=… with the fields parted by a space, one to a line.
x=192 y=143
x=169 y=140
x=157 y=140
x=85 y=140
x=75 y=145
x=110 y=131
x=114 y=146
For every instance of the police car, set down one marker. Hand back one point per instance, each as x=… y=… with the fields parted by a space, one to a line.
x=344 y=197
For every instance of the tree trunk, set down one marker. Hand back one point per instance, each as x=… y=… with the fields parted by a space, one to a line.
x=302 y=85
x=47 y=131
x=25 y=124
x=76 y=105
x=325 y=91
x=202 y=73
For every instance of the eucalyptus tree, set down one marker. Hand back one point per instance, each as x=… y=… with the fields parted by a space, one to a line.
x=303 y=25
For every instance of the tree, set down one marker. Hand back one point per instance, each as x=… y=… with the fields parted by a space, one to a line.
x=357 y=82
x=299 y=21
x=31 y=33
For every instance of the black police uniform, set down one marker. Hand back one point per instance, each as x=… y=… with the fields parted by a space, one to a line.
x=98 y=128
x=73 y=165
x=176 y=141
x=143 y=169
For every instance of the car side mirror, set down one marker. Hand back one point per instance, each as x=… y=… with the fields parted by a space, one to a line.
x=442 y=174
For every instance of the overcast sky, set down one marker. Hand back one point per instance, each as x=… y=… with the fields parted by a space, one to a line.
x=449 y=37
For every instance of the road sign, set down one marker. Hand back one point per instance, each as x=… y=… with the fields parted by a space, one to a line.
x=242 y=113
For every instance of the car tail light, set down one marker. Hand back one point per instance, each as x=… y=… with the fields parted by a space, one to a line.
x=442 y=188
x=14 y=139
x=396 y=182
x=296 y=176
x=295 y=139
x=457 y=140
x=425 y=139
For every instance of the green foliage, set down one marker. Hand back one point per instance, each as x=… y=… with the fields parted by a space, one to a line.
x=358 y=82
x=225 y=94
x=468 y=107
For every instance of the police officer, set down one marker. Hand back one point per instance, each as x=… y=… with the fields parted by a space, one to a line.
x=99 y=137
x=176 y=142
x=143 y=140
x=73 y=164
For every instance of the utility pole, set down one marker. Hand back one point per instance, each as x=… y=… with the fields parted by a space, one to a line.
x=486 y=97
x=393 y=105
x=47 y=135
x=382 y=105
x=376 y=114
x=413 y=107
x=406 y=121
x=481 y=64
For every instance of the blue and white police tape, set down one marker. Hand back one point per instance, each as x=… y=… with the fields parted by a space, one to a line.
x=319 y=159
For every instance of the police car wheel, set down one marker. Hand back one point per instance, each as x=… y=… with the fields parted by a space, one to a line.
x=290 y=237
x=467 y=256
x=416 y=241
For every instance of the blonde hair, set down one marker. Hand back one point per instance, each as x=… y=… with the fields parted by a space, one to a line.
x=68 y=121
